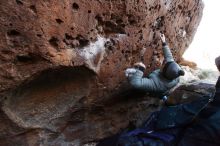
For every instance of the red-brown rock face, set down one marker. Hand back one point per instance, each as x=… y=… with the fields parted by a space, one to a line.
x=62 y=64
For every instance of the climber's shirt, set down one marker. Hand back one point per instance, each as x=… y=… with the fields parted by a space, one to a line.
x=155 y=82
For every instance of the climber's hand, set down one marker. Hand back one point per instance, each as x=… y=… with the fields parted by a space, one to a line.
x=140 y=66
x=130 y=71
x=163 y=38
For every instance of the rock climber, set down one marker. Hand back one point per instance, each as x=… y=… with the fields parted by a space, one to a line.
x=190 y=124
x=159 y=81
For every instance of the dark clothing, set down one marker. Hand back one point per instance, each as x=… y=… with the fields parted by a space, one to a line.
x=171 y=70
x=168 y=57
x=165 y=127
x=206 y=131
x=155 y=82
x=192 y=124
x=159 y=81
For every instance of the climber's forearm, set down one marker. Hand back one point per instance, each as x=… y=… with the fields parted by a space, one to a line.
x=168 y=57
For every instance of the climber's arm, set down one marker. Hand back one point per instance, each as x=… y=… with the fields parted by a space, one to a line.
x=168 y=57
x=137 y=81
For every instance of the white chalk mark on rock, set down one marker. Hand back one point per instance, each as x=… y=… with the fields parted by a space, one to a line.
x=94 y=53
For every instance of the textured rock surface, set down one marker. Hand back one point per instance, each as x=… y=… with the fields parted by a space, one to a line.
x=62 y=63
x=191 y=92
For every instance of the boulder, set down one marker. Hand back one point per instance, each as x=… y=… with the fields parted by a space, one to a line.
x=62 y=65
x=191 y=92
